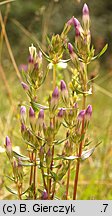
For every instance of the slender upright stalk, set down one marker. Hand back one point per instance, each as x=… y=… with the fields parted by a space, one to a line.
x=31 y=171
x=54 y=76
x=68 y=181
x=34 y=176
x=82 y=140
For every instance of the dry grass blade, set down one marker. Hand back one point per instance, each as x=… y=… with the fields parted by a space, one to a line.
x=6 y=2
x=104 y=91
x=6 y=83
x=9 y=48
x=25 y=31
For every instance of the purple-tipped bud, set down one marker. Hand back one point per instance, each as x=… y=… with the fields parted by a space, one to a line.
x=61 y=113
x=41 y=114
x=81 y=115
x=71 y=21
x=23 y=113
x=86 y=18
x=88 y=112
x=75 y=105
x=8 y=145
x=85 y=10
x=30 y=59
x=44 y=195
x=23 y=67
x=31 y=112
x=23 y=127
x=63 y=85
x=78 y=28
x=70 y=48
x=77 y=31
x=40 y=121
x=48 y=157
x=64 y=91
x=54 y=100
x=55 y=93
x=25 y=86
x=76 y=22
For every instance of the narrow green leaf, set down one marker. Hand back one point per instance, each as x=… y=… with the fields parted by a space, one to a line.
x=12 y=179
x=20 y=155
x=11 y=191
x=103 y=50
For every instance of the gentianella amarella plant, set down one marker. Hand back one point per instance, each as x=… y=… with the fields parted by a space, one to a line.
x=49 y=159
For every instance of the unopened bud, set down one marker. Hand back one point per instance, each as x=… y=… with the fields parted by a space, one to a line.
x=40 y=120
x=88 y=112
x=78 y=27
x=71 y=21
x=64 y=91
x=48 y=158
x=70 y=48
x=32 y=117
x=23 y=127
x=85 y=17
x=44 y=195
x=31 y=112
x=81 y=115
x=33 y=52
x=23 y=114
x=8 y=145
x=54 y=100
x=25 y=86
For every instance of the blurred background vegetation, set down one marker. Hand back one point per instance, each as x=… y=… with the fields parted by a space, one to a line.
x=28 y=22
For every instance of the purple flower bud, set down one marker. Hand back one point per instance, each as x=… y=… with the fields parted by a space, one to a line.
x=25 y=86
x=75 y=105
x=85 y=18
x=55 y=93
x=78 y=28
x=23 y=113
x=36 y=66
x=76 y=22
x=88 y=112
x=23 y=127
x=30 y=60
x=40 y=121
x=77 y=31
x=8 y=145
x=41 y=114
x=71 y=21
x=70 y=48
x=85 y=10
x=44 y=195
x=54 y=100
x=48 y=157
x=23 y=67
x=81 y=115
x=63 y=85
x=31 y=112
x=60 y=113
x=64 y=91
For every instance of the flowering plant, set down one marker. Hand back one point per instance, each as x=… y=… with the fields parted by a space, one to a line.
x=49 y=158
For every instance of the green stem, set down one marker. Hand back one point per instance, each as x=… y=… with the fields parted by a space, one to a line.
x=82 y=141
x=34 y=176
x=48 y=184
x=54 y=76
x=68 y=181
